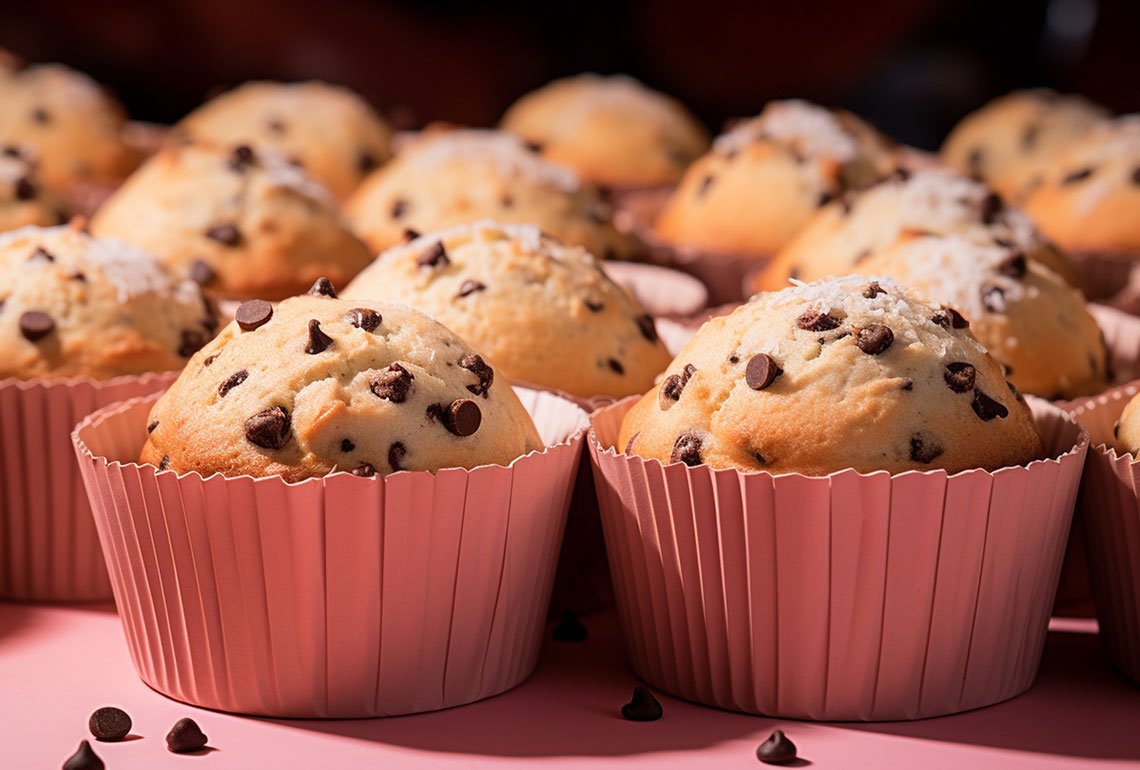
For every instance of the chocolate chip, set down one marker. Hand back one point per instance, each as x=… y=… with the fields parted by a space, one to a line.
x=991 y=206
x=185 y=737
x=906 y=384
x=269 y=429
x=615 y=366
x=35 y=325
x=993 y=298
x=241 y=158
x=434 y=256
x=225 y=234
x=410 y=234
x=960 y=376
x=201 y=273
x=346 y=445
x=461 y=418
x=41 y=116
x=874 y=339
x=535 y=147
x=987 y=408
x=759 y=458
x=687 y=449
x=642 y=707
x=11 y=151
x=84 y=758
x=41 y=254
x=629 y=444
x=862 y=255
x=811 y=321
x=393 y=384
x=1029 y=137
x=1013 y=389
x=593 y=305
x=191 y=342
x=507 y=202
x=25 y=189
x=674 y=385
x=777 y=750
x=231 y=382
x=1136 y=175
x=109 y=724
x=570 y=629
x=363 y=318
x=469 y=287
x=824 y=198
x=704 y=186
x=322 y=287
x=949 y=318
x=366 y=162
x=477 y=366
x=761 y=371
x=364 y=470
x=318 y=341
x=275 y=125
x=150 y=428
x=923 y=449
x=396 y=454
x=974 y=162
x=1014 y=266
x=253 y=314
x=873 y=290
x=210 y=359
x=1076 y=176
x=399 y=208
x=164 y=463
x=647 y=327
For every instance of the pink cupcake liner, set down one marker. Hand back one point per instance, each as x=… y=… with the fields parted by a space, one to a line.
x=846 y=597
x=676 y=332
x=1109 y=510
x=1122 y=338
x=335 y=596
x=49 y=550
x=1104 y=274
x=663 y=292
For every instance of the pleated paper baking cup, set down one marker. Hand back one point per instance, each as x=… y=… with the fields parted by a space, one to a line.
x=337 y=596
x=1122 y=338
x=662 y=291
x=49 y=550
x=1104 y=273
x=676 y=332
x=1109 y=509
x=845 y=597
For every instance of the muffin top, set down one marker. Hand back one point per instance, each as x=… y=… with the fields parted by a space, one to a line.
x=327 y=130
x=1090 y=198
x=73 y=305
x=853 y=228
x=241 y=222
x=1010 y=142
x=66 y=124
x=317 y=384
x=821 y=377
x=545 y=312
x=455 y=177
x=763 y=179
x=613 y=131
x=1127 y=429
x=1030 y=320
x=23 y=200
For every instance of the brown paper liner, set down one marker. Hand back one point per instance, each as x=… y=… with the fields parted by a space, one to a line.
x=846 y=597
x=662 y=291
x=49 y=550
x=1106 y=274
x=336 y=596
x=1109 y=510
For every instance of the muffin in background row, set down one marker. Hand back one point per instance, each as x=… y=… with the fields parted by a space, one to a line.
x=242 y=222
x=612 y=130
x=543 y=310
x=23 y=200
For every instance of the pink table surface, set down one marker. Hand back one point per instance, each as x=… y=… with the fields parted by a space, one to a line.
x=57 y=664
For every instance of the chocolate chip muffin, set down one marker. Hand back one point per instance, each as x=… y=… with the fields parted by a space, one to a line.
x=1030 y=320
x=73 y=305
x=821 y=377
x=1010 y=142
x=327 y=130
x=66 y=124
x=613 y=131
x=449 y=178
x=241 y=222
x=1126 y=432
x=23 y=200
x=544 y=311
x=765 y=178
x=851 y=229
x=316 y=385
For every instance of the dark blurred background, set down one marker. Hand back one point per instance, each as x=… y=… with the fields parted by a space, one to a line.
x=911 y=66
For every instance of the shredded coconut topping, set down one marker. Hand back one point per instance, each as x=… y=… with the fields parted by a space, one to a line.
x=811 y=129
x=505 y=152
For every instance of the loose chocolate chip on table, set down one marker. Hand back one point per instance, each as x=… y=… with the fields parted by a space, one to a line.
x=615 y=366
x=109 y=724
x=987 y=408
x=993 y=299
x=231 y=382
x=924 y=449
x=41 y=253
x=477 y=366
x=364 y=470
x=399 y=208
x=25 y=189
x=241 y=158
x=873 y=290
x=269 y=429
x=642 y=707
x=185 y=737
x=570 y=629
x=84 y=758
x=1076 y=176
x=687 y=449
x=761 y=371
x=150 y=428
x=991 y=206
x=410 y=234
x=469 y=287
x=629 y=444
x=434 y=256
x=960 y=376
x=777 y=750
x=874 y=339
x=35 y=325
x=363 y=318
x=366 y=162
x=396 y=454
x=190 y=343
x=318 y=342
x=1013 y=266
x=346 y=445
x=201 y=273
x=817 y=322
x=949 y=318
x=593 y=306
x=225 y=234
x=322 y=287
x=393 y=384
x=253 y=314
x=647 y=327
